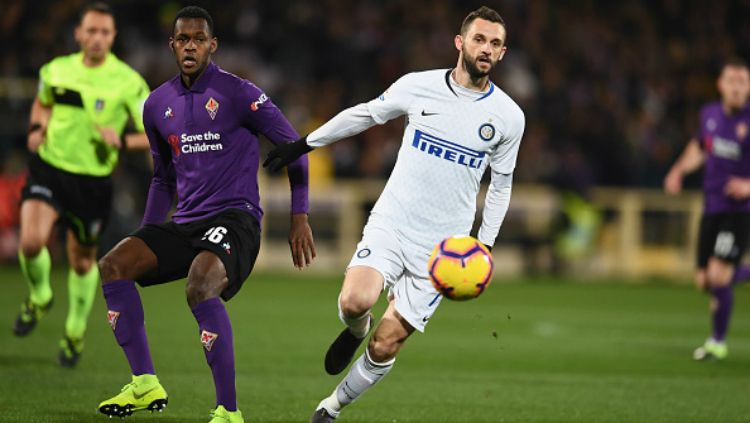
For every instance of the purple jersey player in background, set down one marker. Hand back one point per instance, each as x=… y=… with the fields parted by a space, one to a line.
x=722 y=146
x=202 y=127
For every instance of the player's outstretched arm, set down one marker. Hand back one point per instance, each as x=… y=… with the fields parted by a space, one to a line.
x=690 y=160
x=347 y=123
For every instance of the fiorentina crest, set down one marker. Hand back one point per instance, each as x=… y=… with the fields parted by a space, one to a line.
x=112 y=317
x=212 y=106
x=207 y=339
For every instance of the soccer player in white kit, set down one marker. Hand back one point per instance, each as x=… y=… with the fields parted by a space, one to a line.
x=458 y=124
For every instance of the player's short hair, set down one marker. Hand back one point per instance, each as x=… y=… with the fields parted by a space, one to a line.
x=97 y=7
x=735 y=62
x=483 y=12
x=194 y=12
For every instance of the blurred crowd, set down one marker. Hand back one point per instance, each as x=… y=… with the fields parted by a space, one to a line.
x=611 y=90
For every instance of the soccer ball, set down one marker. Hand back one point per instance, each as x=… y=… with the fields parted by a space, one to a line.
x=460 y=267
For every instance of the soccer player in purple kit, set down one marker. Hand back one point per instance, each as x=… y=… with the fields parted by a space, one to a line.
x=202 y=127
x=722 y=147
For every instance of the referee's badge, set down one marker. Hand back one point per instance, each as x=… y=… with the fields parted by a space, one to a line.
x=487 y=132
x=212 y=106
x=99 y=105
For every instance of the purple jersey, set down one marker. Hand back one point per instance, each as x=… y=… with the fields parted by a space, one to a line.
x=204 y=140
x=724 y=139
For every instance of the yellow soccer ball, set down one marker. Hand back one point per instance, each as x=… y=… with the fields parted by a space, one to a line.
x=460 y=267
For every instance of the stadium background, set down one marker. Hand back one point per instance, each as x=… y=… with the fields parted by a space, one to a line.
x=611 y=92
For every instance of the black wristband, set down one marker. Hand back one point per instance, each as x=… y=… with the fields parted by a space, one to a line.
x=34 y=126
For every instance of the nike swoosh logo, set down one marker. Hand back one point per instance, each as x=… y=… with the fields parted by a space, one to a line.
x=429 y=113
x=136 y=396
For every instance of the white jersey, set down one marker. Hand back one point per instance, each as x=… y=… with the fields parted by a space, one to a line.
x=452 y=135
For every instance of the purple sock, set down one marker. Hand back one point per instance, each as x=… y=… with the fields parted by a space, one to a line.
x=218 y=344
x=741 y=274
x=125 y=316
x=724 y=298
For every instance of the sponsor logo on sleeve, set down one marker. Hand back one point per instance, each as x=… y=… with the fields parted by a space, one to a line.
x=255 y=105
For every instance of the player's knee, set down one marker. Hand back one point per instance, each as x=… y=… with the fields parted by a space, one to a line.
x=31 y=248
x=383 y=348
x=354 y=305
x=82 y=265
x=110 y=269
x=719 y=274
x=198 y=291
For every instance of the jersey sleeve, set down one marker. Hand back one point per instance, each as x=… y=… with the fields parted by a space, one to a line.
x=394 y=102
x=504 y=157
x=135 y=101
x=162 y=189
x=44 y=91
x=259 y=114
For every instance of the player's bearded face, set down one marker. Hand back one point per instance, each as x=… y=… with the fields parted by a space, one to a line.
x=192 y=44
x=472 y=63
x=96 y=34
x=482 y=47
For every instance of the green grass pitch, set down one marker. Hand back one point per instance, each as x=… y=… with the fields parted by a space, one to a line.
x=541 y=351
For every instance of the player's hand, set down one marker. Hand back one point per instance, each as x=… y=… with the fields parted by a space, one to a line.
x=673 y=182
x=301 y=241
x=737 y=188
x=34 y=140
x=284 y=154
x=110 y=136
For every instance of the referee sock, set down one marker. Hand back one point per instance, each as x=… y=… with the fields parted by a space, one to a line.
x=36 y=272
x=125 y=316
x=363 y=375
x=724 y=297
x=81 y=292
x=215 y=331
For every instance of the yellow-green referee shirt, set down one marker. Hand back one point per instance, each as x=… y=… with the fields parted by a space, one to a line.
x=82 y=99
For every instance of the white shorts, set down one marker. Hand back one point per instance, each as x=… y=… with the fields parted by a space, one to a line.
x=416 y=298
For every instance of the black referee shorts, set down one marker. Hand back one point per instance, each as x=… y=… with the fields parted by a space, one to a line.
x=233 y=235
x=83 y=202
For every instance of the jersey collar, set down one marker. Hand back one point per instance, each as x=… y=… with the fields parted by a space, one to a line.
x=450 y=86
x=201 y=84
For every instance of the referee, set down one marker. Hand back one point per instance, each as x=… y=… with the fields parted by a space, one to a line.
x=75 y=135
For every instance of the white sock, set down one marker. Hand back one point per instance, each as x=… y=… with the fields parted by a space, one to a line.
x=358 y=326
x=363 y=374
